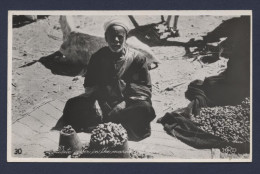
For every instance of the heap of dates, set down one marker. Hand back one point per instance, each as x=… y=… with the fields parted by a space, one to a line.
x=231 y=123
x=109 y=135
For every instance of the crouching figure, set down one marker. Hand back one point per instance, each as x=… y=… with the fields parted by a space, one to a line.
x=119 y=80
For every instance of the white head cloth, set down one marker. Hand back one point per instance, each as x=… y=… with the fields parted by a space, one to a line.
x=121 y=22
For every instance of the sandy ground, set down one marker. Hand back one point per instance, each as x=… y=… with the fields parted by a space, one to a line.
x=31 y=85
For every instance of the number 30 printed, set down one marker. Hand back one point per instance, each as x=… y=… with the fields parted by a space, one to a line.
x=18 y=151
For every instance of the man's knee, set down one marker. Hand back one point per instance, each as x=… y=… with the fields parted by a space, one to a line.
x=144 y=111
x=148 y=109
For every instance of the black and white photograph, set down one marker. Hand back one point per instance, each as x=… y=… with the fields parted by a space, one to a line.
x=129 y=86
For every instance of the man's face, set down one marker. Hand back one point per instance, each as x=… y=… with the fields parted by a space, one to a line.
x=116 y=37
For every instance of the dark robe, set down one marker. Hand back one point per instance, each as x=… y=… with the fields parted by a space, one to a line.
x=117 y=78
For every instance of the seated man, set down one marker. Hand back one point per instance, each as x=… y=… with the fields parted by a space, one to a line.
x=118 y=78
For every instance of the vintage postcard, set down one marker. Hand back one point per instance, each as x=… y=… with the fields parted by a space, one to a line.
x=130 y=86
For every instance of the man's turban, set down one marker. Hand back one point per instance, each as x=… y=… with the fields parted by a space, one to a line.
x=119 y=22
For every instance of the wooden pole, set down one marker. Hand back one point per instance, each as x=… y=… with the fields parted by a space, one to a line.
x=175 y=22
x=131 y=17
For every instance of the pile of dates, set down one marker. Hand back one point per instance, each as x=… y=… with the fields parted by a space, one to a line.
x=108 y=134
x=231 y=123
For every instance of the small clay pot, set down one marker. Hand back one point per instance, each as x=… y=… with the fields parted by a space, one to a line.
x=70 y=141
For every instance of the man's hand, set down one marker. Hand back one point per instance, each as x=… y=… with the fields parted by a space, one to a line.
x=117 y=108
